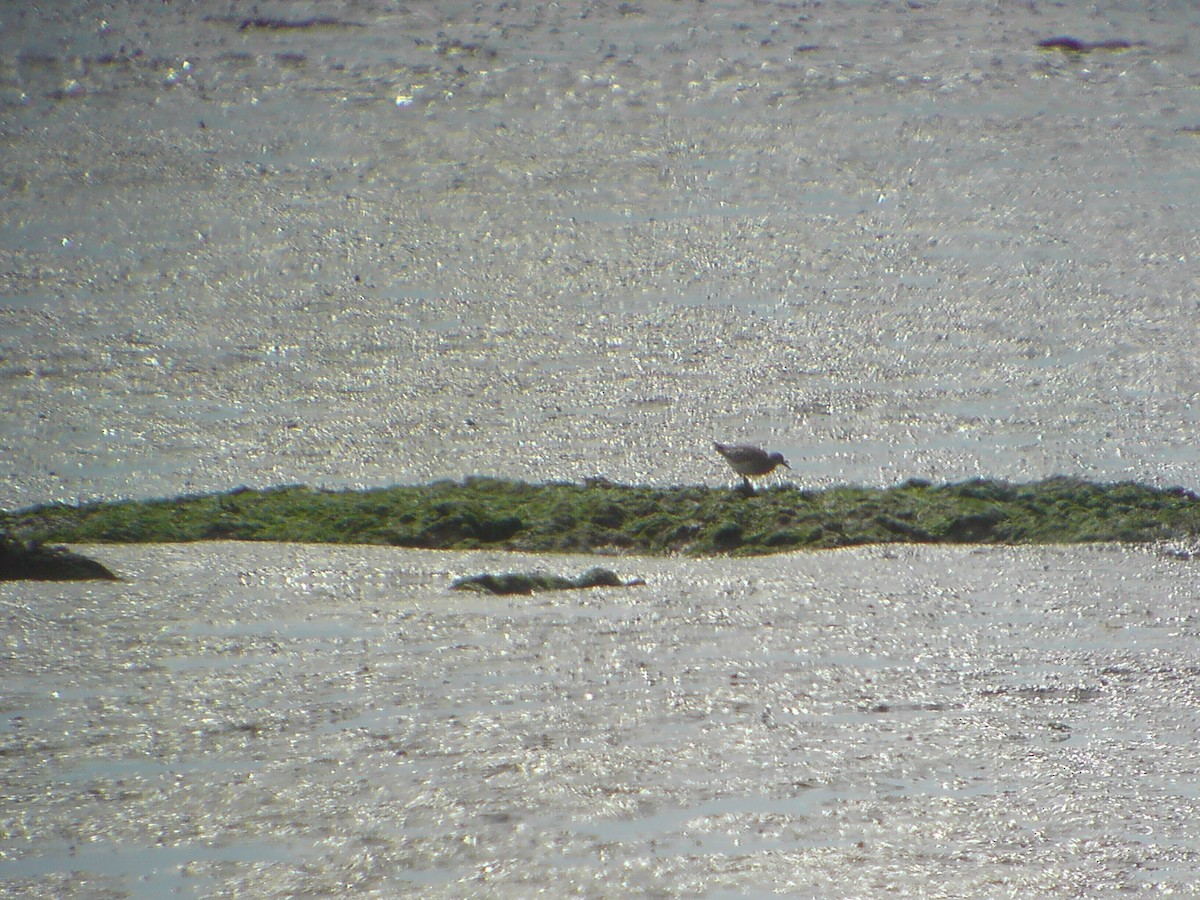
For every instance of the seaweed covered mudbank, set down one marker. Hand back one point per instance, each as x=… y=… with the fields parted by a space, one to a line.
x=602 y=517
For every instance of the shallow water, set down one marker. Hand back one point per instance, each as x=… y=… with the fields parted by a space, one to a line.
x=551 y=241
x=890 y=240
x=275 y=720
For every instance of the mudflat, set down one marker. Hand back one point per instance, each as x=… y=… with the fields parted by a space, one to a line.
x=386 y=244
x=390 y=244
x=281 y=720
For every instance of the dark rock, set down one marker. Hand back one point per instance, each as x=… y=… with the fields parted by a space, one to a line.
x=533 y=582
x=36 y=562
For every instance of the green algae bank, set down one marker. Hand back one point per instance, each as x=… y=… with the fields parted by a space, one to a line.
x=600 y=517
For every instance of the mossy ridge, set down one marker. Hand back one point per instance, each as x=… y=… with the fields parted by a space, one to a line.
x=601 y=517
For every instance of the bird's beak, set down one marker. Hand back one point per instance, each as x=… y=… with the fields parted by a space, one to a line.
x=785 y=464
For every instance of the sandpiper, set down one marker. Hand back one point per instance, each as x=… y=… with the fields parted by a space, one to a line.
x=747 y=460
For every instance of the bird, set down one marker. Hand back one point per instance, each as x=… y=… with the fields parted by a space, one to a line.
x=747 y=460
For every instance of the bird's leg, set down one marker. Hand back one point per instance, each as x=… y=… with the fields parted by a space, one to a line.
x=747 y=487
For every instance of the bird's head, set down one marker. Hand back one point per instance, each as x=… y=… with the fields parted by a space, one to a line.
x=777 y=459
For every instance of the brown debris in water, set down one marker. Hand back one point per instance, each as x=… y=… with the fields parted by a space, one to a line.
x=1074 y=45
